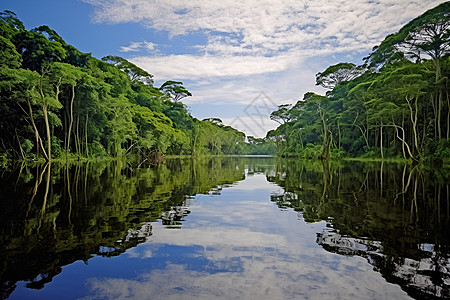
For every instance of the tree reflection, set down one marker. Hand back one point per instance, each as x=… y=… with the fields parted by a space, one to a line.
x=53 y=215
x=395 y=216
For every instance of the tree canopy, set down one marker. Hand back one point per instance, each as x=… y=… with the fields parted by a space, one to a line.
x=395 y=105
x=56 y=101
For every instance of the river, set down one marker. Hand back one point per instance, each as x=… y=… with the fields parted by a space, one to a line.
x=224 y=228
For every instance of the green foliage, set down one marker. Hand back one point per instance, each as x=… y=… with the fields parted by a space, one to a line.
x=8 y=54
x=175 y=90
x=10 y=18
x=57 y=101
x=388 y=49
x=337 y=74
x=257 y=146
x=397 y=108
x=134 y=72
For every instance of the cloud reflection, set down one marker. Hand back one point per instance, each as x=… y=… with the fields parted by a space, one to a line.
x=252 y=265
x=266 y=256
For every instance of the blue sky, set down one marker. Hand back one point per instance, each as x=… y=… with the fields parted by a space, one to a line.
x=238 y=58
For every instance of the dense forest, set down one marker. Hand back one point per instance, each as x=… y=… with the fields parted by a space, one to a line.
x=57 y=102
x=395 y=105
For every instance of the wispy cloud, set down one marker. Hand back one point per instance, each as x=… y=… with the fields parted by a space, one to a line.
x=266 y=26
x=139 y=46
x=256 y=36
x=197 y=67
x=257 y=45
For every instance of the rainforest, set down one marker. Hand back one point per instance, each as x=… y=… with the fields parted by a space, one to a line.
x=57 y=102
x=395 y=105
x=110 y=188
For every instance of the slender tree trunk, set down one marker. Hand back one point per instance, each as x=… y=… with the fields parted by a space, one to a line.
x=403 y=140
x=339 y=136
x=77 y=136
x=20 y=147
x=47 y=129
x=326 y=142
x=69 y=131
x=448 y=115
x=434 y=106
x=403 y=144
x=86 y=134
x=413 y=118
x=424 y=133
x=381 y=141
x=39 y=143
x=439 y=114
x=439 y=94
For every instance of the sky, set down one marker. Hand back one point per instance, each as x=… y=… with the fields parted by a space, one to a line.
x=239 y=59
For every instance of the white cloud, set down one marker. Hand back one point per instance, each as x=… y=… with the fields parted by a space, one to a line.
x=269 y=26
x=257 y=46
x=134 y=46
x=139 y=46
x=196 y=67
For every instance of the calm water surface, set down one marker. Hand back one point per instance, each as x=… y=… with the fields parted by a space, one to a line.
x=224 y=228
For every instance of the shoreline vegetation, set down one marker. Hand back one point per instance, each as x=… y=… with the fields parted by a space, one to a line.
x=396 y=105
x=59 y=104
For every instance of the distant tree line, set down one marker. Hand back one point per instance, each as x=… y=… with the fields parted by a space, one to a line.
x=58 y=102
x=394 y=105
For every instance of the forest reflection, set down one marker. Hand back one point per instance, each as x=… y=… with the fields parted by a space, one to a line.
x=52 y=215
x=395 y=216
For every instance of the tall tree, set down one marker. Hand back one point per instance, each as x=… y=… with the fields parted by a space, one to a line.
x=175 y=90
x=134 y=72
x=338 y=73
x=281 y=115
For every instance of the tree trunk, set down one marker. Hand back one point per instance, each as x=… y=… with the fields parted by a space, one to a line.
x=47 y=129
x=439 y=114
x=77 y=136
x=403 y=140
x=439 y=94
x=434 y=106
x=69 y=131
x=326 y=142
x=86 y=134
x=39 y=142
x=339 y=136
x=413 y=118
x=448 y=116
x=381 y=141
x=20 y=146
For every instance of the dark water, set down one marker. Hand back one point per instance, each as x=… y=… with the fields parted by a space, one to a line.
x=224 y=228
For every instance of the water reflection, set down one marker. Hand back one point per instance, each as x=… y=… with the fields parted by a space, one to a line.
x=240 y=246
x=206 y=229
x=397 y=217
x=53 y=215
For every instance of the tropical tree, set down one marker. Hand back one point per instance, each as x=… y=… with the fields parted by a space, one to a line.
x=134 y=72
x=175 y=90
x=338 y=73
x=281 y=115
